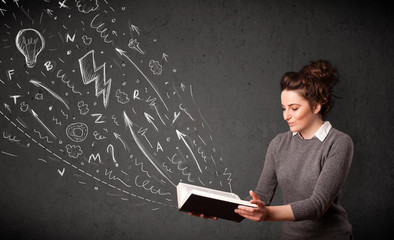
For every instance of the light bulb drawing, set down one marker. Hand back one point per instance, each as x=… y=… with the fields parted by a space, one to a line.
x=30 y=43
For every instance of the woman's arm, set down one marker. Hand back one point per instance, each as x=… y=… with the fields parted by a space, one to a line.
x=265 y=213
x=280 y=213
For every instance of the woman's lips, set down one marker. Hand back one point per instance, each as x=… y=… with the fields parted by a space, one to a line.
x=291 y=124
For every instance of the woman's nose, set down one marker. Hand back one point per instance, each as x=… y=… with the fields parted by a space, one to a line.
x=286 y=115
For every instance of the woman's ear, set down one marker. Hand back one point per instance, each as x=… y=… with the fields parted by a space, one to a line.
x=317 y=108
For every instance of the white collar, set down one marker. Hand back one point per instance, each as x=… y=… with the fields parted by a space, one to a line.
x=322 y=133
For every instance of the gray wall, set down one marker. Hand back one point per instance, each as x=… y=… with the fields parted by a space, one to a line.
x=229 y=56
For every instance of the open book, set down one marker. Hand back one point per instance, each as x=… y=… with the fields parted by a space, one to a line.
x=210 y=202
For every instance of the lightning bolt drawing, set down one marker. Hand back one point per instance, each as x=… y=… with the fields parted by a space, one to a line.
x=90 y=72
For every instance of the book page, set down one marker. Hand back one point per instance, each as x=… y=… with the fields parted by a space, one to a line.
x=222 y=197
x=184 y=187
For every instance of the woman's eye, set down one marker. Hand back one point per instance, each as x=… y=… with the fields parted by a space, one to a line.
x=294 y=109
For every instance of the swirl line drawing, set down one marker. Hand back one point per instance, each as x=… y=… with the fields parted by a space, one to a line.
x=41 y=137
x=56 y=121
x=63 y=77
x=142 y=167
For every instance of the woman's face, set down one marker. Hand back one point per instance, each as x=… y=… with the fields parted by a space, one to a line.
x=299 y=115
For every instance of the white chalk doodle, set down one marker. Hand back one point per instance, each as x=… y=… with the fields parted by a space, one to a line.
x=87 y=6
x=42 y=137
x=90 y=73
x=145 y=184
x=150 y=120
x=63 y=4
x=6 y=106
x=113 y=117
x=57 y=122
x=11 y=139
x=135 y=29
x=95 y=157
x=176 y=115
x=77 y=132
x=122 y=97
x=39 y=84
x=185 y=110
x=42 y=124
x=74 y=151
x=182 y=169
x=182 y=136
x=15 y=97
x=9 y=154
x=21 y=122
x=83 y=108
x=10 y=73
x=86 y=40
x=117 y=136
x=135 y=45
x=50 y=65
x=64 y=114
x=61 y=172
x=155 y=67
x=2 y=11
x=165 y=57
x=62 y=77
x=142 y=166
x=97 y=136
x=149 y=156
x=110 y=148
x=113 y=177
x=123 y=53
x=30 y=43
x=99 y=117
x=100 y=29
x=69 y=38
x=39 y=96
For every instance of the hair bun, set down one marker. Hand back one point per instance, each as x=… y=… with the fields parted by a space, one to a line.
x=320 y=71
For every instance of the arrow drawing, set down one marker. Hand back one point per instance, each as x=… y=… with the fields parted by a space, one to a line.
x=165 y=56
x=39 y=84
x=7 y=107
x=135 y=29
x=49 y=12
x=182 y=136
x=134 y=44
x=42 y=124
x=123 y=53
x=144 y=151
x=183 y=87
x=117 y=136
x=150 y=120
x=2 y=11
x=90 y=73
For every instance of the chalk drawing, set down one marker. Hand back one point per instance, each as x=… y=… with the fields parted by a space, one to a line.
x=77 y=132
x=30 y=43
x=90 y=73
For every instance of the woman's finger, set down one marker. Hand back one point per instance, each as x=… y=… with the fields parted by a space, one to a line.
x=256 y=200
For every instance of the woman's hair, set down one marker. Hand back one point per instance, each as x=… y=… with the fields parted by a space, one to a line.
x=314 y=82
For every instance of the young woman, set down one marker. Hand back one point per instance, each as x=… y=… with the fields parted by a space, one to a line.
x=309 y=163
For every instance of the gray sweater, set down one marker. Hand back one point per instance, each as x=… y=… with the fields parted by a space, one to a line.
x=310 y=174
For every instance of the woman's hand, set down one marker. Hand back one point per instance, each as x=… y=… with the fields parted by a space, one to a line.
x=202 y=215
x=255 y=214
